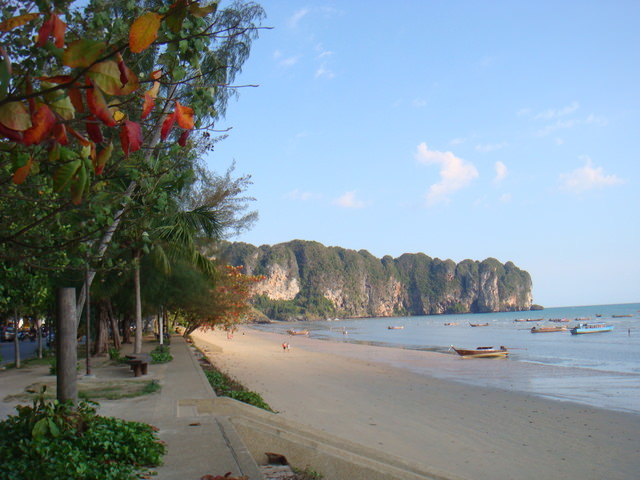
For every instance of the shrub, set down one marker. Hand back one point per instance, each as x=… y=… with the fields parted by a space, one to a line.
x=226 y=386
x=161 y=354
x=54 y=441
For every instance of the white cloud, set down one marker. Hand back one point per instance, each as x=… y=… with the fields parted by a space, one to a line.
x=297 y=16
x=455 y=173
x=587 y=178
x=297 y=194
x=501 y=172
x=419 y=102
x=324 y=72
x=491 y=147
x=349 y=200
x=560 y=112
x=505 y=198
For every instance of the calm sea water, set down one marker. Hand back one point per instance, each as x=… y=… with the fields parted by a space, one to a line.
x=601 y=370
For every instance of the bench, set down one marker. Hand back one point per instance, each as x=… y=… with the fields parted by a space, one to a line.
x=138 y=363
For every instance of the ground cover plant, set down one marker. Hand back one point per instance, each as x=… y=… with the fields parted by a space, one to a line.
x=56 y=441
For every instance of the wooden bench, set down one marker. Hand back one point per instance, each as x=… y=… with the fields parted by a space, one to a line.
x=138 y=363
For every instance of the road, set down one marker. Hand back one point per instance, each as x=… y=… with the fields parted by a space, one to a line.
x=28 y=349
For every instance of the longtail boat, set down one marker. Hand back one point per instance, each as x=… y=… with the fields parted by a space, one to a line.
x=298 y=332
x=395 y=327
x=550 y=328
x=482 y=352
x=479 y=324
x=591 y=328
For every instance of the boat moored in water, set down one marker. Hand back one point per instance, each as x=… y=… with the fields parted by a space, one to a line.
x=550 y=328
x=482 y=352
x=395 y=327
x=479 y=324
x=298 y=332
x=591 y=328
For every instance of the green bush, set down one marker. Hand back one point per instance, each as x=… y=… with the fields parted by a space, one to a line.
x=54 y=441
x=161 y=354
x=226 y=386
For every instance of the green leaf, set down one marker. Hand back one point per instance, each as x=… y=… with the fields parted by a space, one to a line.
x=39 y=430
x=64 y=174
x=83 y=53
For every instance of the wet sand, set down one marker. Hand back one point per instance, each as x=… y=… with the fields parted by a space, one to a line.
x=372 y=396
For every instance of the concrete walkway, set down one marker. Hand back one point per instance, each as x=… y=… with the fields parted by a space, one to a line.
x=196 y=445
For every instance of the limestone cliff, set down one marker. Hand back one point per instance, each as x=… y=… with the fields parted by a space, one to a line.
x=306 y=280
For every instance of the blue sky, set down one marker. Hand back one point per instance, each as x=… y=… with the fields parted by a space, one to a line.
x=460 y=129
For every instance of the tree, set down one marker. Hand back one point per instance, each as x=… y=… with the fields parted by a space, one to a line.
x=86 y=108
x=228 y=301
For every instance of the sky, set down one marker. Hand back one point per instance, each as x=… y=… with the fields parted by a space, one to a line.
x=459 y=129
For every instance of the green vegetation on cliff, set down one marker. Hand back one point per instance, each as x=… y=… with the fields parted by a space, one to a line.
x=306 y=280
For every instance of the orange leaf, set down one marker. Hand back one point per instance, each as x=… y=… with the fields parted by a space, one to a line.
x=43 y=121
x=144 y=31
x=11 y=23
x=98 y=106
x=149 y=103
x=130 y=137
x=59 y=28
x=167 y=125
x=20 y=175
x=184 y=116
x=156 y=74
x=83 y=140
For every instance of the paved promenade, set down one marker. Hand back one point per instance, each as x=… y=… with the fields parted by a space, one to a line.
x=196 y=445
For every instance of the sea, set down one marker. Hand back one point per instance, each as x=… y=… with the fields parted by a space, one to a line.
x=599 y=369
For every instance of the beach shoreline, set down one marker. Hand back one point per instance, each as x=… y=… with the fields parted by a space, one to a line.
x=370 y=395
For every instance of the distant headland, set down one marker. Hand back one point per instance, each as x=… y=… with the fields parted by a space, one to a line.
x=305 y=280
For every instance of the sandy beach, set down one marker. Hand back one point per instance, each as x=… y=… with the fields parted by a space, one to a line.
x=371 y=396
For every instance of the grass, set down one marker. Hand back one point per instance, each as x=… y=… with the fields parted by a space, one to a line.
x=111 y=390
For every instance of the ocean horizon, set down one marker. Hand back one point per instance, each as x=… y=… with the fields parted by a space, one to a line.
x=600 y=369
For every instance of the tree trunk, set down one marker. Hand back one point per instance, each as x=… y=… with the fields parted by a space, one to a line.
x=137 y=346
x=102 y=334
x=39 y=336
x=115 y=331
x=126 y=328
x=16 y=341
x=67 y=355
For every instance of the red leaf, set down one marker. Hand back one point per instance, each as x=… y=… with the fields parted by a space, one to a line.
x=184 y=116
x=13 y=135
x=60 y=133
x=130 y=137
x=21 y=174
x=182 y=141
x=76 y=99
x=98 y=105
x=45 y=31
x=167 y=125
x=43 y=121
x=93 y=130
